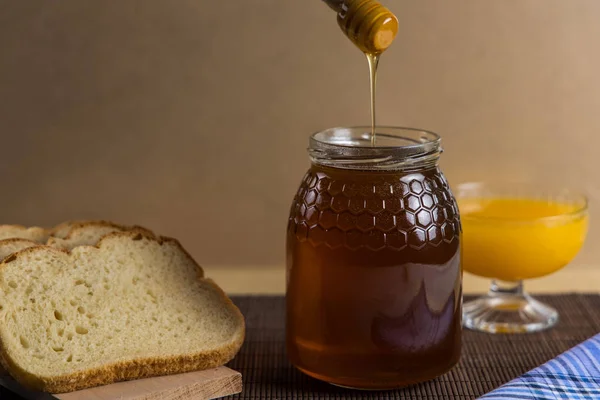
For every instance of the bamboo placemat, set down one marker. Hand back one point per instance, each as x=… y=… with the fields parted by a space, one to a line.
x=487 y=360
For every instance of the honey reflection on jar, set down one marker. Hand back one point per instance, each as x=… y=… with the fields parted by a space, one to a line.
x=374 y=278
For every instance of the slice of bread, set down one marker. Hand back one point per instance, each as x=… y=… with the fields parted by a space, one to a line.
x=89 y=233
x=9 y=246
x=73 y=233
x=134 y=306
x=76 y=233
x=62 y=230
x=34 y=233
x=65 y=229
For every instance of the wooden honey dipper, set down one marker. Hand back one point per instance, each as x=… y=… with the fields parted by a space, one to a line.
x=367 y=23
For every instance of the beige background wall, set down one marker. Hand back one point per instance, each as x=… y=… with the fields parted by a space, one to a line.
x=192 y=117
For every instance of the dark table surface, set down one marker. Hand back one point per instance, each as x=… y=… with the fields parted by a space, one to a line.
x=487 y=360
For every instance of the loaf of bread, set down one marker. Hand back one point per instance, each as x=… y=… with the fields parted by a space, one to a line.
x=133 y=306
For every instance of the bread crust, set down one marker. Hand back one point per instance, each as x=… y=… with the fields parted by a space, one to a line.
x=86 y=224
x=136 y=368
x=36 y=231
x=13 y=226
x=63 y=229
x=70 y=226
x=8 y=242
x=17 y=240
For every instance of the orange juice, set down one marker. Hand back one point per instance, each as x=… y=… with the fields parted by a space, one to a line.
x=516 y=238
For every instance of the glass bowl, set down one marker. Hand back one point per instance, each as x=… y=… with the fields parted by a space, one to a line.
x=513 y=232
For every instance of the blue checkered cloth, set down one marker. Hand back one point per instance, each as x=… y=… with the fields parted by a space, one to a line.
x=573 y=375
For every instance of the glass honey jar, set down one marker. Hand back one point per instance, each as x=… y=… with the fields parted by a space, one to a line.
x=374 y=274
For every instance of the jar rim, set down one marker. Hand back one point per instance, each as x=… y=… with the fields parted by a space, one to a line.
x=394 y=148
x=387 y=132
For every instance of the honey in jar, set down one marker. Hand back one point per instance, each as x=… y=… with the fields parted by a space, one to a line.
x=373 y=261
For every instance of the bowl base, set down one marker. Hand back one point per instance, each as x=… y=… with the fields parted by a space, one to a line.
x=502 y=312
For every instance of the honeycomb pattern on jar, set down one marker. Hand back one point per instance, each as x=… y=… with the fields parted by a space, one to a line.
x=412 y=211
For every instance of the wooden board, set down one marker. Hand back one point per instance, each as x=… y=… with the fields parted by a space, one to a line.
x=199 y=385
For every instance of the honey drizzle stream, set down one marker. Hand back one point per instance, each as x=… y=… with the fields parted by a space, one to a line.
x=373 y=60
